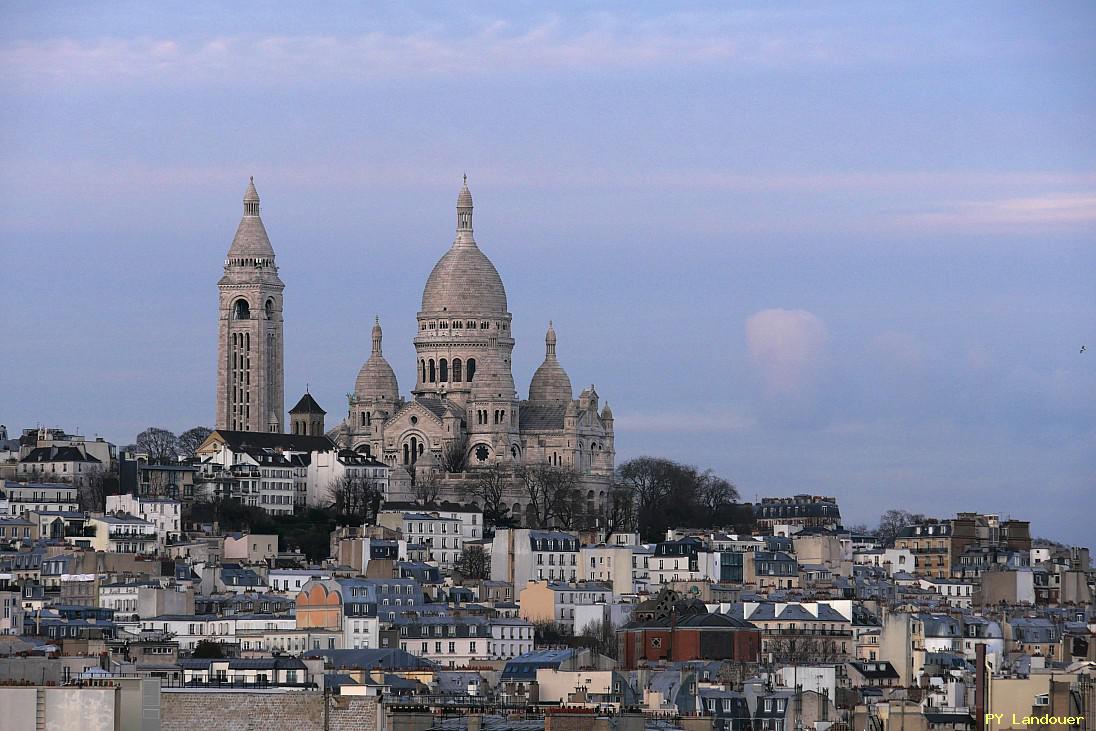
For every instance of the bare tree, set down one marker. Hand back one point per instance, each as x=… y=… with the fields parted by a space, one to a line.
x=454 y=457
x=161 y=446
x=488 y=490
x=802 y=650
x=667 y=494
x=664 y=493
x=892 y=522
x=427 y=487
x=473 y=564
x=191 y=439
x=355 y=499
x=553 y=495
x=714 y=493
x=617 y=514
x=600 y=637
x=98 y=482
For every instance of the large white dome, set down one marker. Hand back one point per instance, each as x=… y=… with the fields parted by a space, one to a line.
x=464 y=281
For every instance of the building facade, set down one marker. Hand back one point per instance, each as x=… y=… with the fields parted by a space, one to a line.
x=465 y=400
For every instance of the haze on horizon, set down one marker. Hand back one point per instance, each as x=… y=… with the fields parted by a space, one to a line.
x=838 y=250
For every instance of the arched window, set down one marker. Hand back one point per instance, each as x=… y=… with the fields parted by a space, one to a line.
x=430 y=368
x=241 y=310
x=444 y=367
x=269 y=309
x=422 y=364
x=456 y=370
x=590 y=502
x=531 y=517
x=363 y=418
x=369 y=418
x=471 y=369
x=406 y=454
x=515 y=512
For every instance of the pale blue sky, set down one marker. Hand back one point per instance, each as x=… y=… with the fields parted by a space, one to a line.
x=836 y=249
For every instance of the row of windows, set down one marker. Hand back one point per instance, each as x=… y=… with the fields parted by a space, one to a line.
x=552 y=559
x=241 y=309
x=440 y=630
x=460 y=325
x=431 y=372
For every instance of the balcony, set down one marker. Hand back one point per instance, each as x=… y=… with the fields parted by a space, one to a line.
x=809 y=632
x=116 y=535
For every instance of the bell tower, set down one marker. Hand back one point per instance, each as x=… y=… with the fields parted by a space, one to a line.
x=250 y=393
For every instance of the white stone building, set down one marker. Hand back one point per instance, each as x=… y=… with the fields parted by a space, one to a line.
x=121 y=533
x=557 y=601
x=164 y=513
x=290 y=581
x=465 y=399
x=521 y=555
x=328 y=468
x=510 y=637
x=41 y=497
x=190 y=629
x=608 y=563
x=442 y=537
x=264 y=470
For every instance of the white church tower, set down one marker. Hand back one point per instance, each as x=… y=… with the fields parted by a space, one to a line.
x=250 y=393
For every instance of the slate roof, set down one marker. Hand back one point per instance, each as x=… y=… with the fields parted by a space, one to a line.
x=524 y=667
x=442 y=507
x=695 y=621
x=241 y=441
x=540 y=416
x=366 y=659
x=307 y=405
x=437 y=407
x=876 y=670
x=58 y=454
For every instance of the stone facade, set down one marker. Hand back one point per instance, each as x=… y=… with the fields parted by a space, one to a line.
x=465 y=396
x=182 y=710
x=250 y=390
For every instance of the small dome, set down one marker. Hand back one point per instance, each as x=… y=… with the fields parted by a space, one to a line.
x=606 y=413
x=550 y=382
x=376 y=379
x=464 y=198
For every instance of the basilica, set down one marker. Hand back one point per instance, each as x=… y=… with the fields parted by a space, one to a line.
x=464 y=411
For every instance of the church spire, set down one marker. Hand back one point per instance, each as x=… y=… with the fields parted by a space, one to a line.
x=464 y=215
x=377 y=336
x=251 y=199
